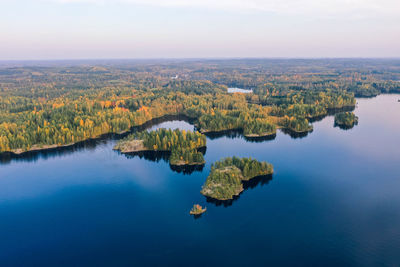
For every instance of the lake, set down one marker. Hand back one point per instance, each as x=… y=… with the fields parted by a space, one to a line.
x=333 y=200
x=239 y=90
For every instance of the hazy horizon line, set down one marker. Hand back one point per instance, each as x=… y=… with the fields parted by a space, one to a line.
x=189 y=58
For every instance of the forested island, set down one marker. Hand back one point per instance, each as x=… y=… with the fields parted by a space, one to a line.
x=226 y=177
x=182 y=145
x=58 y=105
x=346 y=120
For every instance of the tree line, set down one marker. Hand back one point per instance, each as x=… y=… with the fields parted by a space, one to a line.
x=182 y=144
x=54 y=106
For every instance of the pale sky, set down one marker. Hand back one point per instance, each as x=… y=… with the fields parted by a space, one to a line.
x=91 y=29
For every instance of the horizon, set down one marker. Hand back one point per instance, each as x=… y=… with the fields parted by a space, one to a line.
x=201 y=58
x=119 y=62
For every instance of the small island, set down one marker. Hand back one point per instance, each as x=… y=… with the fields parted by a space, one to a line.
x=227 y=175
x=258 y=128
x=297 y=125
x=346 y=120
x=181 y=145
x=197 y=210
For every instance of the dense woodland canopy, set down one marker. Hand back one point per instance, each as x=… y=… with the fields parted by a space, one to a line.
x=182 y=144
x=346 y=119
x=62 y=103
x=227 y=175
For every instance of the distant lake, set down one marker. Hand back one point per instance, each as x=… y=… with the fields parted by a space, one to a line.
x=333 y=201
x=239 y=90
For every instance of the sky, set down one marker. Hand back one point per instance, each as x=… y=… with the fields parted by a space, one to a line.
x=106 y=29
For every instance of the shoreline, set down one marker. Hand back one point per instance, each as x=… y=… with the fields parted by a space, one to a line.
x=259 y=135
x=39 y=147
x=143 y=126
x=238 y=193
x=180 y=164
x=138 y=148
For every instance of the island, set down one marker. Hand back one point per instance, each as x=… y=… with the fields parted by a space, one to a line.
x=297 y=125
x=226 y=177
x=259 y=128
x=57 y=106
x=346 y=120
x=183 y=146
x=197 y=210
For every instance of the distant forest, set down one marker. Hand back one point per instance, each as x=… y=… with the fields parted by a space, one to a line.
x=47 y=104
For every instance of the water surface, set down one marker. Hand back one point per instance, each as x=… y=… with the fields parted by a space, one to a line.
x=239 y=90
x=333 y=200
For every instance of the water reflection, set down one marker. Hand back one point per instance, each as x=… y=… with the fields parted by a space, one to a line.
x=295 y=135
x=232 y=134
x=187 y=169
x=331 y=112
x=344 y=127
x=260 y=139
x=317 y=118
x=90 y=144
x=33 y=156
x=344 y=206
x=197 y=216
x=157 y=156
x=256 y=181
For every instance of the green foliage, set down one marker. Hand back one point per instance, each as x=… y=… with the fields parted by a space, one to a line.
x=297 y=124
x=258 y=127
x=194 y=87
x=182 y=144
x=346 y=119
x=226 y=177
x=217 y=122
x=249 y=167
x=61 y=105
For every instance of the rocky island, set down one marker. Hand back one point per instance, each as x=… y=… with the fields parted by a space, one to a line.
x=182 y=146
x=227 y=175
x=197 y=210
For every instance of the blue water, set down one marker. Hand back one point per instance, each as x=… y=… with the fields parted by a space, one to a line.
x=334 y=200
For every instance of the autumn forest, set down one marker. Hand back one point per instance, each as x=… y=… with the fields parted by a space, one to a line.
x=50 y=106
